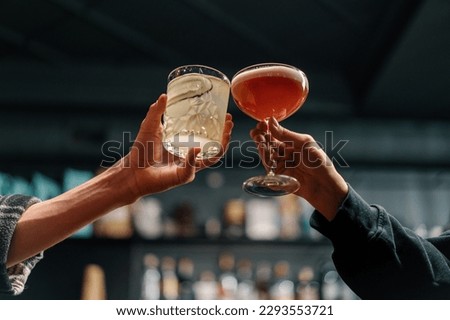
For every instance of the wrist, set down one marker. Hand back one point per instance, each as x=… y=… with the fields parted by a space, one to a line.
x=329 y=197
x=120 y=181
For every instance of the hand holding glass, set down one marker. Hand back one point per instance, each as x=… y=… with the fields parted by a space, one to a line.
x=270 y=90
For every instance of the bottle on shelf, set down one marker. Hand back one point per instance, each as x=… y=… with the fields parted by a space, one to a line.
x=93 y=287
x=147 y=217
x=262 y=279
x=262 y=220
x=283 y=287
x=169 y=279
x=331 y=283
x=307 y=287
x=290 y=211
x=213 y=228
x=185 y=272
x=228 y=282
x=206 y=288
x=246 y=289
x=151 y=280
x=184 y=219
x=234 y=219
x=117 y=224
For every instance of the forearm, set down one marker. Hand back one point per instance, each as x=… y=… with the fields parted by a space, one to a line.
x=46 y=223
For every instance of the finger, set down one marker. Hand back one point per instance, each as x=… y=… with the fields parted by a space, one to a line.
x=283 y=148
x=228 y=126
x=228 y=117
x=314 y=156
x=295 y=139
x=227 y=130
x=186 y=171
x=154 y=113
x=255 y=133
x=258 y=136
x=260 y=129
x=262 y=125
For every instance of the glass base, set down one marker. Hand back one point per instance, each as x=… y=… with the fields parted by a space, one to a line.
x=271 y=185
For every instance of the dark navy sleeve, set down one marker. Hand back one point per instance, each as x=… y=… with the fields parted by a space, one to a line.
x=13 y=279
x=378 y=258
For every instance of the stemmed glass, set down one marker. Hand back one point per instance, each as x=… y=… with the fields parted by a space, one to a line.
x=262 y=91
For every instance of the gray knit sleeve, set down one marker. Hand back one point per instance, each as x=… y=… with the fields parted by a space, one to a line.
x=13 y=279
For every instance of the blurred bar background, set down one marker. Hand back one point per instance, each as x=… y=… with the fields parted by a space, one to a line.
x=79 y=75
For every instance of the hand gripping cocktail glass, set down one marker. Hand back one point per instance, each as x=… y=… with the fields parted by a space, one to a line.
x=197 y=101
x=270 y=90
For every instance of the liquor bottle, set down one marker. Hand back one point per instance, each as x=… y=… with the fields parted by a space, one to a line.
x=262 y=279
x=169 y=279
x=228 y=282
x=147 y=217
x=227 y=279
x=213 y=228
x=151 y=279
x=184 y=219
x=117 y=224
x=331 y=283
x=435 y=231
x=333 y=287
x=206 y=287
x=93 y=287
x=262 y=219
x=421 y=230
x=307 y=287
x=290 y=212
x=185 y=272
x=234 y=218
x=282 y=287
x=246 y=289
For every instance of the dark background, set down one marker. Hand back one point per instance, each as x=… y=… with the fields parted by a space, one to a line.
x=75 y=73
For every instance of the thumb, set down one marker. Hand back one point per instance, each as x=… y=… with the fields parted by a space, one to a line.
x=154 y=114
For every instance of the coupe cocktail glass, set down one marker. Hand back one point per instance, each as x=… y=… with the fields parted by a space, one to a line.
x=270 y=90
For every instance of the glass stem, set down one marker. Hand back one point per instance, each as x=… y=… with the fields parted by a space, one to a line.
x=272 y=164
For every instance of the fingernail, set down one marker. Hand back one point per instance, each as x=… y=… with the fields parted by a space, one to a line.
x=274 y=122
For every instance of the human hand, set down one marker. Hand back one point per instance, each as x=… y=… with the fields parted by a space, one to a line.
x=299 y=155
x=152 y=168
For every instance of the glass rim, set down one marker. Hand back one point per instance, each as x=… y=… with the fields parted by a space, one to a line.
x=265 y=65
x=213 y=72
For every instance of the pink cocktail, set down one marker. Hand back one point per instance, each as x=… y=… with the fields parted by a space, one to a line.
x=270 y=90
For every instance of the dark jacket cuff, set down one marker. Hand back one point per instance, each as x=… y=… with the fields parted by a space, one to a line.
x=355 y=219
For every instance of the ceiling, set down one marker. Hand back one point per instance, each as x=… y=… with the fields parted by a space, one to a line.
x=365 y=59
